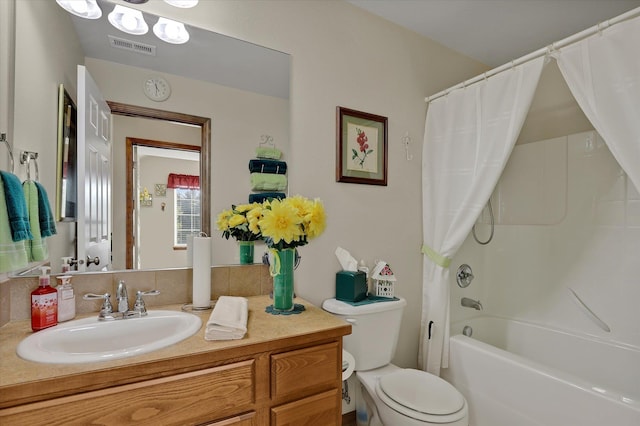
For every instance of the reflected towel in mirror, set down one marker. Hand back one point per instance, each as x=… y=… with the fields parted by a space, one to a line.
x=36 y=247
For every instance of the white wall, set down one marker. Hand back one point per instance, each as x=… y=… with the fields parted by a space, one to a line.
x=156 y=224
x=525 y=272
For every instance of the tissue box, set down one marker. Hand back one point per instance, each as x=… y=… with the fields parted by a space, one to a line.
x=351 y=286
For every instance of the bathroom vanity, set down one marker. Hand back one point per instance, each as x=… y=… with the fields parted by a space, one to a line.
x=285 y=371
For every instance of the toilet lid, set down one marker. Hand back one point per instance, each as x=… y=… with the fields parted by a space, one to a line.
x=422 y=392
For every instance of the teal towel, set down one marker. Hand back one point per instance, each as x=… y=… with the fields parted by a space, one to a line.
x=16 y=207
x=371 y=299
x=273 y=153
x=13 y=255
x=268 y=182
x=36 y=247
x=268 y=166
x=263 y=196
x=45 y=216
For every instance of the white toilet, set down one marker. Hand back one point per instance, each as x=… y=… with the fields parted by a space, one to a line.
x=394 y=396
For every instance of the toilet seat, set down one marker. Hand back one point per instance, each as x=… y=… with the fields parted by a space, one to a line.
x=421 y=396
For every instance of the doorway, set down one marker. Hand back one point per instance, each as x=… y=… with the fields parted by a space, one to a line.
x=205 y=159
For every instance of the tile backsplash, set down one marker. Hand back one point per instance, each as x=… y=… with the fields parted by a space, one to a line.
x=174 y=286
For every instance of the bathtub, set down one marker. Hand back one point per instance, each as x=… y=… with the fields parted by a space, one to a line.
x=514 y=373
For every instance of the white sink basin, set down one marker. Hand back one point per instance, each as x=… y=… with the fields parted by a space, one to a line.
x=90 y=340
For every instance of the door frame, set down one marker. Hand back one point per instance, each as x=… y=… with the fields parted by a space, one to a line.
x=130 y=185
x=204 y=123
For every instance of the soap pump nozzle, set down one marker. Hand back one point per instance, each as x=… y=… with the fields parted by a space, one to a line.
x=43 y=280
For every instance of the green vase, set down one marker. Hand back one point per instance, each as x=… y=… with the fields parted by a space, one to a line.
x=282 y=272
x=246 y=252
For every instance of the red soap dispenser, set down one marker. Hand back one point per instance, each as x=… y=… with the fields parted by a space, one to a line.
x=44 y=303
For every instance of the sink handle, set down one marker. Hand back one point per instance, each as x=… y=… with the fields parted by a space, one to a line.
x=106 y=308
x=139 y=306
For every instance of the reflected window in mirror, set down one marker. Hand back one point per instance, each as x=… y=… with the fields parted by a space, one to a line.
x=187 y=215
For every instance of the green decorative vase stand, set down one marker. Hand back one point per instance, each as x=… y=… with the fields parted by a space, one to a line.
x=281 y=270
x=246 y=252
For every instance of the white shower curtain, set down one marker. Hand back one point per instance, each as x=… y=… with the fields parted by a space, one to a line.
x=603 y=74
x=469 y=134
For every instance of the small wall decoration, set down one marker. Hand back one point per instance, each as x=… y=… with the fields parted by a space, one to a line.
x=146 y=200
x=161 y=190
x=361 y=154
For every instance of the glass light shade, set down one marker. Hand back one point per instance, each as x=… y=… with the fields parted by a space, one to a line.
x=171 y=31
x=128 y=20
x=182 y=3
x=88 y=9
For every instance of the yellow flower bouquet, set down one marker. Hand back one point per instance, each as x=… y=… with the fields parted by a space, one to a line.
x=241 y=222
x=291 y=222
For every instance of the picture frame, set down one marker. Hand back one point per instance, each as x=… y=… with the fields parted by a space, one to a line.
x=161 y=189
x=361 y=148
x=66 y=162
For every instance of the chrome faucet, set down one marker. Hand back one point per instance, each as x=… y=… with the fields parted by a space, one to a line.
x=122 y=297
x=470 y=303
x=106 y=311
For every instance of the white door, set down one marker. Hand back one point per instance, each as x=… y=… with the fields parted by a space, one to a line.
x=94 y=176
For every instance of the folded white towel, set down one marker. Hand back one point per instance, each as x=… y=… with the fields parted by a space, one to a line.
x=228 y=321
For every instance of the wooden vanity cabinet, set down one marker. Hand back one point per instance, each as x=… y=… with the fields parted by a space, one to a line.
x=280 y=387
x=285 y=371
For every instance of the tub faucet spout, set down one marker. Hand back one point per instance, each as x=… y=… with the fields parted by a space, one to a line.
x=470 y=303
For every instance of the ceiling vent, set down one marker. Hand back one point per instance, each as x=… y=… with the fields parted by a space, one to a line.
x=123 y=43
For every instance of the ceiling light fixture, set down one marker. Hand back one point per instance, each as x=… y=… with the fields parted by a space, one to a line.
x=171 y=31
x=182 y=3
x=88 y=9
x=128 y=20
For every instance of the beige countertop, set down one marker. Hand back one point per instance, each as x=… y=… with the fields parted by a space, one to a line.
x=23 y=381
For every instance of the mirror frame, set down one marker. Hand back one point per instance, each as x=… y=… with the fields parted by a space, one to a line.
x=205 y=155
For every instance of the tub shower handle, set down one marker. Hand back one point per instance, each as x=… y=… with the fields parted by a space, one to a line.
x=464 y=276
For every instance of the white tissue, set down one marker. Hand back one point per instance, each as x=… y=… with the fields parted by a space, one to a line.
x=348 y=262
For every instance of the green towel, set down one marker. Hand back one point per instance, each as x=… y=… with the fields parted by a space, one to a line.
x=273 y=153
x=13 y=255
x=16 y=207
x=37 y=247
x=268 y=182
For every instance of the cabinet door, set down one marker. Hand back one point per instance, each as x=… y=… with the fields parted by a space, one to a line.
x=305 y=371
x=322 y=409
x=183 y=399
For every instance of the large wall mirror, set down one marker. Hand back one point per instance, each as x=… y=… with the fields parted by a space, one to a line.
x=232 y=92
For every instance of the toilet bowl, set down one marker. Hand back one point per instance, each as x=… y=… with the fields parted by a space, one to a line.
x=407 y=397
x=393 y=396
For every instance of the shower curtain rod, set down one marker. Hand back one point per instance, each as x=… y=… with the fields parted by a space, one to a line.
x=540 y=52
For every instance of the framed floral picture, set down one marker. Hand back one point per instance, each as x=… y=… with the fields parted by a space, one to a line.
x=361 y=154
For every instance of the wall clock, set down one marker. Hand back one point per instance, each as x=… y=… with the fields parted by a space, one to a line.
x=157 y=89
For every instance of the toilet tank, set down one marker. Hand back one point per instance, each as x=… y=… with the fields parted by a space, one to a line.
x=375 y=328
